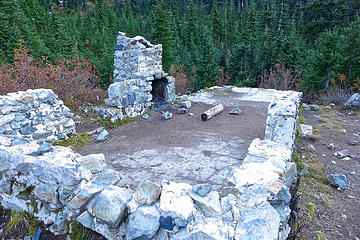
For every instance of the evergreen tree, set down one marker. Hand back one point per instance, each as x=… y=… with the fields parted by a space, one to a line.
x=164 y=33
x=207 y=67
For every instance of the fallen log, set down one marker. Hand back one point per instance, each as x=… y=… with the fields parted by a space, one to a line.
x=212 y=112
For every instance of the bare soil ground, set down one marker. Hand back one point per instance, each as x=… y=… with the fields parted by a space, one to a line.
x=184 y=148
x=337 y=214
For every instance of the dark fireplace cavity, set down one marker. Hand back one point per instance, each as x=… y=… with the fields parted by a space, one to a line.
x=159 y=90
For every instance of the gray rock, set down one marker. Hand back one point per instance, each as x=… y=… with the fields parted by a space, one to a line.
x=109 y=177
x=259 y=223
x=84 y=196
x=111 y=205
x=143 y=223
x=68 y=123
x=116 y=90
x=28 y=130
x=26 y=98
x=176 y=207
x=147 y=192
x=102 y=136
x=353 y=101
x=342 y=154
x=209 y=205
x=337 y=180
x=44 y=94
x=236 y=111
x=305 y=130
x=331 y=146
x=15 y=125
x=202 y=189
x=210 y=229
x=351 y=143
x=314 y=107
x=145 y=116
x=166 y=115
x=113 y=102
x=182 y=110
x=306 y=107
x=60 y=225
x=19 y=117
x=20 y=141
x=5 y=183
x=6 y=119
x=46 y=192
x=185 y=104
x=41 y=135
x=280 y=129
x=95 y=163
x=44 y=148
x=86 y=220
x=304 y=172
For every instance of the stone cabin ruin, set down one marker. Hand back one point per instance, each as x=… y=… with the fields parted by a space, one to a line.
x=139 y=81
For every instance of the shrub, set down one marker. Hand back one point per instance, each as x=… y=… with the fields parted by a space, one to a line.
x=182 y=81
x=69 y=78
x=280 y=78
x=222 y=78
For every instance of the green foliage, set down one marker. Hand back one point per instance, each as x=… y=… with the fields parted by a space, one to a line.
x=79 y=232
x=108 y=123
x=319 y=235
x=77 y=141
x=164 y=33
x=25 y=219
x=2 y=210
x=302 y=119
x=311 y=208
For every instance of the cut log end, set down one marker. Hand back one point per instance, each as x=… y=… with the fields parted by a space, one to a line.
x=204 y=117
x=212 y=112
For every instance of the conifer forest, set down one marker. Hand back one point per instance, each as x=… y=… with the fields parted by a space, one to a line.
x=312 y=46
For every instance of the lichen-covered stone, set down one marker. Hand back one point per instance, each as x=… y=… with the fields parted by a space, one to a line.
x=147 y=193
x=111 y=205
x=93 y=162
x=143 y=223
x=176 y=207
x=259 y=223
x=209 y=204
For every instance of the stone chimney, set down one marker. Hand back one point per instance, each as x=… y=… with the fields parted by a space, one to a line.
x=139 y=80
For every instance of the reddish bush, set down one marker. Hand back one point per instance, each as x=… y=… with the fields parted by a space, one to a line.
x=280 y=78
x=222 y=78
x=182 y=81
x=73 y=78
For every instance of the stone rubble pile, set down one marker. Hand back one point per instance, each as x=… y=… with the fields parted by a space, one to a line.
x=138 y=72
x=34 y=115
x=59 y=186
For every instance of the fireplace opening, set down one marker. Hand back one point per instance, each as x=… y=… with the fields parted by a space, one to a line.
x=158 y=90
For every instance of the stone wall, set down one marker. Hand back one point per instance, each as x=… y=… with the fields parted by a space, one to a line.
x=34 y=115
x=60 y=186
x=137 y=65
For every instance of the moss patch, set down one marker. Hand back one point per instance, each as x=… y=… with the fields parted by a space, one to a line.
x=79 y=232
x=77 y=141
x=109 y=124
x=23 y=220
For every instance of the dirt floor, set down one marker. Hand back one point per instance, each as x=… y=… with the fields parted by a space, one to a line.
x=184 y=148
x=337 y=214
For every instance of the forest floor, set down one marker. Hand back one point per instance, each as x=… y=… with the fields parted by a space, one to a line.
x=336 y=214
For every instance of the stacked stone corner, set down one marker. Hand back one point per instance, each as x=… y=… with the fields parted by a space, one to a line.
x=139 y=80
